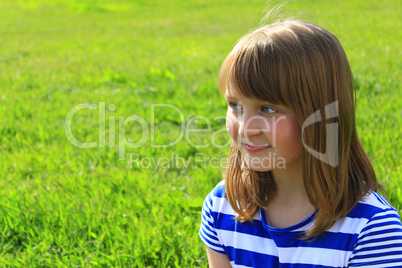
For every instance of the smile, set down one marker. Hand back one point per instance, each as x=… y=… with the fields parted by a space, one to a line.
x=255 y=148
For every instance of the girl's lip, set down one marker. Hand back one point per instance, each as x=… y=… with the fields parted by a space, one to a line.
x=255 y=148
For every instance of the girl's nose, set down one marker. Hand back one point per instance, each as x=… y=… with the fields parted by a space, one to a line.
x=251 y=126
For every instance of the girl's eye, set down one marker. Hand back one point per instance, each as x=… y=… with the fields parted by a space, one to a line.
x=234 y=105
x=267 y=110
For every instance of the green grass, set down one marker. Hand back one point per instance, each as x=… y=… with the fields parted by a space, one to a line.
x=71 y=207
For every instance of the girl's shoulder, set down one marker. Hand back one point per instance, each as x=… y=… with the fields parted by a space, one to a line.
x=379 y=230
x=217 y=196
x=216 y=202
x=219 y=190
x=375 y=199
x=371 y=204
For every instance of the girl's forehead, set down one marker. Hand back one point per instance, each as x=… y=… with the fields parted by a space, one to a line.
x=233 y=90
x=237 y=95
x=232 y=93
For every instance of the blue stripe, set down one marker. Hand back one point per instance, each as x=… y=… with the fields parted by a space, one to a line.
x=337 y=241
x=206 y=213
x=209 y=242
x=208 y=201
x=209 y=228
x=392 y=218
x=386 y=216
x=381 y=224
x=388 y=254
x=383 y=232
x=226 y=222
x=205 y=228
x=381 y=199
x=304 y=265
x=397 y=262
x=251 y=258
x=381 y=239
x=391 y=245
x=365 y=211
x=219 y=191
x=329 y=240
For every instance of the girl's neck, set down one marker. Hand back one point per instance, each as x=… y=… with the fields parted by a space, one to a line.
x=283 y=214
x=289 y=204
x=289 y=180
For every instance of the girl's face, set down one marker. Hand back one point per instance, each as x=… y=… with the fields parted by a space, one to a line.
x=268 y=136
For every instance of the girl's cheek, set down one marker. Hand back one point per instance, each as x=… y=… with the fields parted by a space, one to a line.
x=231 y=126
x=287 y=127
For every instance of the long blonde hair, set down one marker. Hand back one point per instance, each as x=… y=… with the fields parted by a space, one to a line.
x=302 y=66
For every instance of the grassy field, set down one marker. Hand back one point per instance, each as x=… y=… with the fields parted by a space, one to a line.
x=110 y=205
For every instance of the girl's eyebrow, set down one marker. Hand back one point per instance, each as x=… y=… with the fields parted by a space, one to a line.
x=230 y=97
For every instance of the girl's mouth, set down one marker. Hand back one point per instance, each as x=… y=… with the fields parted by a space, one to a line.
x=255 y=148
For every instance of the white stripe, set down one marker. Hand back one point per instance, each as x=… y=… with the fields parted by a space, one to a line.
x=224 y=207
x=371 y=237
x=248 y=242
x=208 y=219
x=257 y=216
x=212 y=247
x=375 y=260
x=380 y=236
x=305 y=227
x=383 y=243
x=385 y=202
x=385 y=250
x=238 y=266
x=348 y=225
x=206 y=231
x=312 y=255
x=393 y=265
x=372 y=200
x=221 y=205
x=208 y=206
x=385 y=213
x=381 y=228
x=222 y=182
x=208 y=242
x=386 y=221
x=343 y=225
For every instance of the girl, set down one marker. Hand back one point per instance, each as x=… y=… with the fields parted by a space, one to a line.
x=299 y=191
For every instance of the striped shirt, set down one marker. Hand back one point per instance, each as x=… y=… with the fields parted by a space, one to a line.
x=369 y=236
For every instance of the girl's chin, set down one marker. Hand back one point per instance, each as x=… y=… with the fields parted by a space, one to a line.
x=253 y=165
x=264 y=164
x=261 y=169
